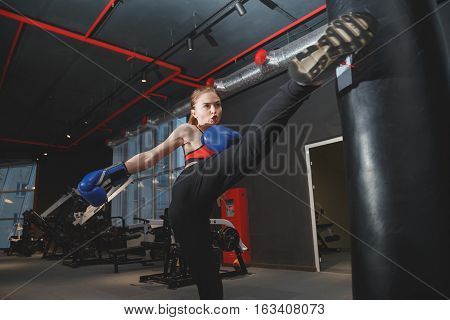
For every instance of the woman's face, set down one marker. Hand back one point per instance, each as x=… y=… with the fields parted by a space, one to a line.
x=207 y=109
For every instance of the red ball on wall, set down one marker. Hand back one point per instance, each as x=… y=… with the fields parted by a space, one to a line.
x=210 y=82
x=260 y=56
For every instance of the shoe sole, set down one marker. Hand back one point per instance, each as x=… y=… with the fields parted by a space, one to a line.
x=344 y=36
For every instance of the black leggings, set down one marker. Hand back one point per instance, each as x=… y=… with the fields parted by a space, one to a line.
x=196 y=189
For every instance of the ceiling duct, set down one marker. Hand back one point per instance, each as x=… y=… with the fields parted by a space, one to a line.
x=277 y=61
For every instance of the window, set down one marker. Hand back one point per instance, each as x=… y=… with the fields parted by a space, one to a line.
x=16 y=196
x=150 y=193
x=20 y=190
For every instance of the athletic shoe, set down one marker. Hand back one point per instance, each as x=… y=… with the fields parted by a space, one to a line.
x=344 y=36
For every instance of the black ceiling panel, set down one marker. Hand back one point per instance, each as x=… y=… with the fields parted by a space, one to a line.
x=8 y=29
x=299 y=8
x=73 y=15
x=33 y=74
x=151 y=26
x=234 y=34
x=55 y=84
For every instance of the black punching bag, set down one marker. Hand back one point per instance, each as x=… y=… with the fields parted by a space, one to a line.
x=395 y=127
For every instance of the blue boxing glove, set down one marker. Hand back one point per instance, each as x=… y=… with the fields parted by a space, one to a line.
x=95 y=185
x=219 y=138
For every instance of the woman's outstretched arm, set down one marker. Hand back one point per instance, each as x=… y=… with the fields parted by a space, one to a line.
x=148 y=159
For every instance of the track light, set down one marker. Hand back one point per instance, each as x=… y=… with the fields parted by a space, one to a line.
x=211 y=40
x=240 y=8
x=144 y=77
x=189 y=44
x=68 y=136
x=45 y=154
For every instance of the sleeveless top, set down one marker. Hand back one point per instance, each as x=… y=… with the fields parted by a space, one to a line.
x=200 y=153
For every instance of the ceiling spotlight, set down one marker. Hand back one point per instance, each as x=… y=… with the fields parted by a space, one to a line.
x=240 y=8
x=189 y=44
x=68 y=136
x=144 y=77
x=45 y=154
x=85 y=122
x=211 y=40
x=37 y=159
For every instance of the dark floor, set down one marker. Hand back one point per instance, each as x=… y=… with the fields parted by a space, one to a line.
x=99 y=282
x=337 y=261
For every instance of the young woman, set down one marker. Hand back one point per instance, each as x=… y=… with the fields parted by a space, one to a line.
x=216 y=157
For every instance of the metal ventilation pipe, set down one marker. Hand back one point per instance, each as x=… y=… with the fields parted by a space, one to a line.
x=277 y=61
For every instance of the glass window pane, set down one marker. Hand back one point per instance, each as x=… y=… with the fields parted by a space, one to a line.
x=161 y=184
x=147 y=140
x=12 y=202
x=15 y=182
x=178 y=155
x=125 y=151
x=116 y=204
x=162 y=134
x=132 y=204
x=3 y=172
x=132 y=148
x=29 y=196
x=124 y=202
x=17 y=175
x=145 y=198
x=117 y=153
x=148 y=197
x=146 y=143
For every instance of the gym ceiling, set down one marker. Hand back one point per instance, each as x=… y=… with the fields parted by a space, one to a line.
x=74 y=67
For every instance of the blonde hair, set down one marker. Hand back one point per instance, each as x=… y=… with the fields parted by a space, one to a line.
x=194 y=98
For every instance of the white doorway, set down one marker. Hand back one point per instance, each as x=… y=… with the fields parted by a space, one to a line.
x=329 y=208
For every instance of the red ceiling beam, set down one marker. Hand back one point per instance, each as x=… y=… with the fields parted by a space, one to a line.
x=159 y=95
x=11 y=53
x=100 y=17
x=99 y=127
x=131 y=54
x=126 y=107
x=317 y=11
x=187 y=83
x=82 y=38
x=35 y=143
x=195 y=85
x=104 y=128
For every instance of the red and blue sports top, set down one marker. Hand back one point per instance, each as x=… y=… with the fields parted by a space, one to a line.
x=200 y=153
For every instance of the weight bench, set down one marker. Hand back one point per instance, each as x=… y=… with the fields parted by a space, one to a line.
x=120 y=256
x=175 y=271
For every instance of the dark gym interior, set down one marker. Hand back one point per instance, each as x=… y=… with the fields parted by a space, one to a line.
x=71 y=94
